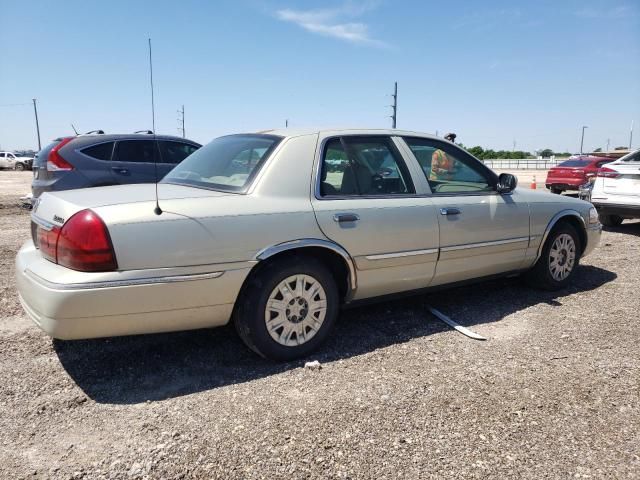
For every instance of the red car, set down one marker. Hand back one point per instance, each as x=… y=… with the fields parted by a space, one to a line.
x=569 y=175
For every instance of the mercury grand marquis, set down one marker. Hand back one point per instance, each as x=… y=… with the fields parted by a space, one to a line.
x=276 y=230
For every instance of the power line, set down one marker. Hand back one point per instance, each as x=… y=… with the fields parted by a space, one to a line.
x=14 y=104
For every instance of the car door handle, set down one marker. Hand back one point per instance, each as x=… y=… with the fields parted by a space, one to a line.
x=450 y=211
x=121 y=171
x=345 y=217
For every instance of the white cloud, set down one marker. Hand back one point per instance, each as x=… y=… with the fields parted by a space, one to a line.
x=617 y=12
x=330 y=22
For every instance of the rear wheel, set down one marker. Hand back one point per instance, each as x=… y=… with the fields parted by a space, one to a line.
x=288 y=308
x=556 y=190
x=558 y=261
x=610 y=220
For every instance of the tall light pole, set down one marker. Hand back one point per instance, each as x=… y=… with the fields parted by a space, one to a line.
x=35 y=110
x=631 y=135
x=582 y=139
x=608 y=143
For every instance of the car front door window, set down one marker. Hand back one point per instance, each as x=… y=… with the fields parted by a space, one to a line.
x=448 y=170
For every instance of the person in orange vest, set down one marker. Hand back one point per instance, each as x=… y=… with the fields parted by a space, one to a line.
x=442 y=167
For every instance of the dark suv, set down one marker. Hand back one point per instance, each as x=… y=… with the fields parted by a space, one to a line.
x=94 y=160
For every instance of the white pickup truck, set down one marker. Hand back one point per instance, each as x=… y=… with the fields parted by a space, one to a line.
x=10 y=160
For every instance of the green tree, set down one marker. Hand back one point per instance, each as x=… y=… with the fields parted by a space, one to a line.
x=546 y=153
x=476 y=151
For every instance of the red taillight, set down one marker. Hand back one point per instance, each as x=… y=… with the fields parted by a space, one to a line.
x=83 y=244
x=47 y=241
x=55 y=162
x=605 y=172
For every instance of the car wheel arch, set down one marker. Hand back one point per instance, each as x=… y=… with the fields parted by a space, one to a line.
x=337 y=258
x=565 y=216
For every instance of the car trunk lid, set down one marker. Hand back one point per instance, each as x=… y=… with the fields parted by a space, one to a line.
x=626 y=183
x=54 y=208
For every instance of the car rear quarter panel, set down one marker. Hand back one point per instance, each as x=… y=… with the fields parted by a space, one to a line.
x=224 y=229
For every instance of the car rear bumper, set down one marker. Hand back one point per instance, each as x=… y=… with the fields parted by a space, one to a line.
x=565 y=184
x=129 y=306
x=627 y=211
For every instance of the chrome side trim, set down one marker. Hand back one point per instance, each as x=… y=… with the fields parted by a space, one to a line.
x=313 y=242
x=552 y=223
x=411 y=253
x=42 y=222
x=484 y=244
x=122 y=283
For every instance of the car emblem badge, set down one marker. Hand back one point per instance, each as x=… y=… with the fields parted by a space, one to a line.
x=58 y=219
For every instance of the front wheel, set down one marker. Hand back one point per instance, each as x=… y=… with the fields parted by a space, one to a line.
x=288 y=308
x=556 y=190
x=558 y=261
x=610 y=220
x=19 y=167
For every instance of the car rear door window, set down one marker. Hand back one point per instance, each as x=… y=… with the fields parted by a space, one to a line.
x=174 y=152
x=135 y=151
x=448 y=169
x=367 y=166
x=101 y=151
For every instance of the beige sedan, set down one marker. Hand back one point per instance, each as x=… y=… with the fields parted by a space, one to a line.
x=276 y=230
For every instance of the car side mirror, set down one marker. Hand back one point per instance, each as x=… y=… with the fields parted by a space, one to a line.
x=506 y=183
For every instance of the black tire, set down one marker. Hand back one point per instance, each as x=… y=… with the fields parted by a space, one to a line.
x=540 y=275
x=19 y=167
x=610 y=220
x=250 y=316
x=556 y=190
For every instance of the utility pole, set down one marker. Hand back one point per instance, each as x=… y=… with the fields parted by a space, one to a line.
x=608 y=142
x=35 y=110
x=631 y=135
x=286 y=123
x=582 y=139
x=181 y=121
x=394 y=117
x=153 y=107
x=514 y=146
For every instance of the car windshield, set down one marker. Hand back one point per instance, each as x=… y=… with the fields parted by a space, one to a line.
x=227 y=163
x=575 y=163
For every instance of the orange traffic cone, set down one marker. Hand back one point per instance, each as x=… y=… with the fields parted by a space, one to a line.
x=533 y=183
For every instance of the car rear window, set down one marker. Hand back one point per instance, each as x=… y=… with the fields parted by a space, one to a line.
x=174 y=152
x=227 y=163
x=102 y=151
x=575 y=163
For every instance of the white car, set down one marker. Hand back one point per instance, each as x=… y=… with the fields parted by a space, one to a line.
x=616 y=192
x=10 y=160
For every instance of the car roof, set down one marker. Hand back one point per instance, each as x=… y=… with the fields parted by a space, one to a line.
x=136 y=136
x=296 y=132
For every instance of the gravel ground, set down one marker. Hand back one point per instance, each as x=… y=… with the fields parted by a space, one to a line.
x=553 y=393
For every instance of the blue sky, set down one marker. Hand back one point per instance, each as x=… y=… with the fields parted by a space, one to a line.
x=491 y=71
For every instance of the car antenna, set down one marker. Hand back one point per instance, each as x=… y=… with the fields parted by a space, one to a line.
x=74 y=129
x=157 y=210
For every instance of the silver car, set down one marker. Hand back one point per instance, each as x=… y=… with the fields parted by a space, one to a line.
x=276 y=230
